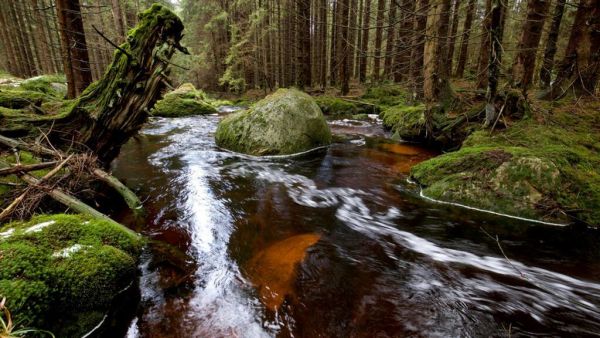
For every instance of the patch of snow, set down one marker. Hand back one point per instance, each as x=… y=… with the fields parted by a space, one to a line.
x=67 y=252
x=39 y=227
x=6 y=233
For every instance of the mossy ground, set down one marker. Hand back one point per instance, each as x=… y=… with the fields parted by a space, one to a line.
x=61 y=272
x=386 y=95
x=545 y=167
x=285 y=122
x=184 y=101
x=336 y=107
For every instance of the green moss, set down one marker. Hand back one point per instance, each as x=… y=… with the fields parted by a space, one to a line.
x=386 y=95
x=184 y=101
x=341 y=108
x=57 y=265
x=531 y=169
x=54 y=85
x=17 y=98
x=285 y=122
x=408 y=122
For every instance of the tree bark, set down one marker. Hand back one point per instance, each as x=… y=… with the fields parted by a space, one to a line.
x=76 y=60
x=464 y=43
x=25 y=60
x=118 y=18
x=550 y=50
x=343 y=46
x=333 y=67
x=416 y=57
x=323 y=38
x=11 y=49
x=378 y=39
x=44 y=46
x=496 y=29
x=305 y=79
x=579 y=70
x=365 y=42
x=434 y=77
x=402 y=52
x=452 y=38
x=391 y=35
x=524 y=64
x=484 y=47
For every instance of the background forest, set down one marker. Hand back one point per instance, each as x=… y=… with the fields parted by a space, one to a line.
x=240 y=45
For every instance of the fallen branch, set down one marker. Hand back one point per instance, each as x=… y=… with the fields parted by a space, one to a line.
x=359 y=102
x=73 y=203
x=26 y=168
x=133 y=202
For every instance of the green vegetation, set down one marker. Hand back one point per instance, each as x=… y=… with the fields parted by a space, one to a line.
x=61 y=272
x=387 y=95
x=407 y=122
x=54 y=85
x=183 y=101
x=337 y=107
x=285 y=122
x=545 y=170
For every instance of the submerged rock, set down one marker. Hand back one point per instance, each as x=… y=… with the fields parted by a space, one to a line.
x=183 y=101
x=285 y=122
x=62 y=272
x=273 y=270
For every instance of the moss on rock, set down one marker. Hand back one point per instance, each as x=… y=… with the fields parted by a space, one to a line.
x=54 y=85
x=386 y=95
x=340 y=108
x=406 y=122
x=285 y=122
x=183 y=101
x=543 y=171
x=57 y=268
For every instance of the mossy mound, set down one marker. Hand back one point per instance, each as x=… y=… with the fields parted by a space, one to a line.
x=183 y=101
x=54 y=85
x=545 y=170
x=61 y=272
x=340 y=108
x=406 y=122
x=285 y=122
x=386 y=95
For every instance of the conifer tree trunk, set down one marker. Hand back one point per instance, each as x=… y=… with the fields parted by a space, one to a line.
x=333 y=44
x=391 y=35
x=416 y=56
x=118 y=19
x=524 y=64
x=579 y=71
x=352 y=34
x=485 y=47
x=44 y=45
x=305 y=79
x=434 y=76
x=403 y=44
x=550 y=50
x=343 y=46
x=24 y=58
x=365 y=42
x=378 y=39
x=323 y=38
x=8 y=43
x=496 y=29
x=464 y=43
x=76 y=61
x=359 y=42
x=452 y=38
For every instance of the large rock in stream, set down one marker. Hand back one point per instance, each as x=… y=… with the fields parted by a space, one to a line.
x=285 y=122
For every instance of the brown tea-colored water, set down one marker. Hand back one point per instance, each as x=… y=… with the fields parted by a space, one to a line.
x=337 y=243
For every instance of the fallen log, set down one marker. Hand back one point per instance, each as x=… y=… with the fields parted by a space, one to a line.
x=130 y=198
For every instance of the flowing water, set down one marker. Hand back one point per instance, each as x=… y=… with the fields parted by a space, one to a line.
x=337 y=243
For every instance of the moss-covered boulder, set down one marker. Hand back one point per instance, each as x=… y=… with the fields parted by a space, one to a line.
x=54 y=85
x=61 y=272
x=285 y=122
x=337 y=107
x=406 y=122
x=545 y=171
x=183 y=101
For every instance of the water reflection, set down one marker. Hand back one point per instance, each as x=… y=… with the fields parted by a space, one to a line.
x=374 y=259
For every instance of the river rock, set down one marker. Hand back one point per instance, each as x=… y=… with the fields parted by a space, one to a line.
x=183 y=101
x=285 y=122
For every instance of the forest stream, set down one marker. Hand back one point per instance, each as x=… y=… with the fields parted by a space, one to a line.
x=337 y=242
